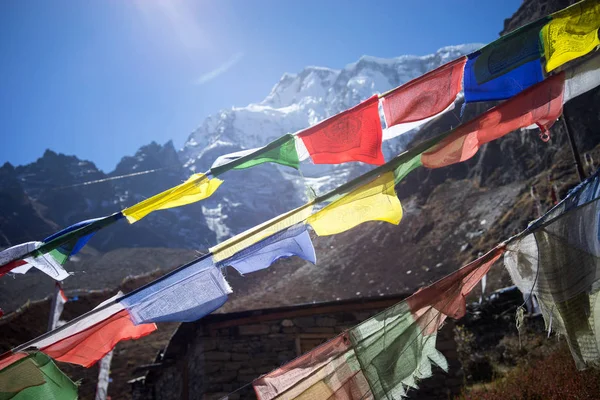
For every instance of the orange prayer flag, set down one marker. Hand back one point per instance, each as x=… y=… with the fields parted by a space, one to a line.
x=540 y=104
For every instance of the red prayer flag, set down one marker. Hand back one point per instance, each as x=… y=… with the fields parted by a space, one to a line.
x=540 y=104
x=426 y=95
x=353 y=135
x=6 y=268
x=448 y=295
x=87 y=347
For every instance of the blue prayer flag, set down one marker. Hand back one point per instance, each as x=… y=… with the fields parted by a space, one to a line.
x=502 y=87
x=186 y=294
x=293 y=241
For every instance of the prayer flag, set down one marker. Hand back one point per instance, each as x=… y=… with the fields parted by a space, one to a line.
x=504 y=86
x=405 y=168
x=353 y=135
x=386 y=355
x=375 y=201
x=11 y=258
x=281 y=151
x=45 y=263
x=91 y=337
x=56 y=308
x=571 y=33
x=293 y=241
x=509 y=52
x=540 y=104
x=422 y=99
x=35 y=377
x=187 y=294
x=559 y=263
x=246 y=239
x=582 y=78
x=196 y=188
x=70 y=240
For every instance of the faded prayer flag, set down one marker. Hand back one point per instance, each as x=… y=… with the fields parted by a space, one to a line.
x=504 y=86
x=422 y=99
x=56 y=308
x=196 y=188
x=571 y=33
x=281 y=151
x=540 y=104
x=45 y=263
x=353 y=135
x=187 y=294
x=374 y=201
x=582 y=78
x=246 y=239
x=386 y=355
x=35 y=377
x=509 y=52
x=559 y=263
x=12 y=257
x=293 y=241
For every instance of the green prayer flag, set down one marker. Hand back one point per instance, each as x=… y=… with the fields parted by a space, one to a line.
x=405 y=168
x=35 y=377
x=281 y=151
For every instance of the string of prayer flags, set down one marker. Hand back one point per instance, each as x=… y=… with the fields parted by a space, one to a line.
x=281 y=151
x=246 y=239
x=375 y=201
x=293 y=241
x=509 y=52
x=187 y=294
x=540 y=104
x=504 y=86
x=571 y=33
x=422 y=99
x=36 y=377
x=196 y=188
x=582 y=78
x=559 y=263
x=386 y=355
x=91 y=337
x=352 y=135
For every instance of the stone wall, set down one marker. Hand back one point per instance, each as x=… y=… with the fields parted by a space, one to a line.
x=221 y=354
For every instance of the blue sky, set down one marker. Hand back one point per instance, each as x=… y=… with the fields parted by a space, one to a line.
x=101 y=78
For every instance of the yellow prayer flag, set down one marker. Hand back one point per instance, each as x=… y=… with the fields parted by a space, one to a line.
x=196 y=188
x=375 y=201
x=253 y=235
x=572 y=33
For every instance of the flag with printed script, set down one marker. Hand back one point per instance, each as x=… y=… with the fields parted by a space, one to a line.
x=71 y=240
x=246 y=239
x=35 y=377
x=504 y=86
x=43 y=262
x=374 y=201
x=385 y=356
x=422 y=99
x=293 y=241
x=12 y=257
x=281 y=151
x=541 y=105
x=88 y=339
x=571 y=33
x=187 y=294
x=196 y=188
x=509 y=52
x=559 y=263
x=353 y=135
x=582 y=78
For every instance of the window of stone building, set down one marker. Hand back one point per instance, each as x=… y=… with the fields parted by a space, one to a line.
x=305 y=342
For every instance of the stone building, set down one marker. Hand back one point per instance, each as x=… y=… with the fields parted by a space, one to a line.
x=221 y=354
